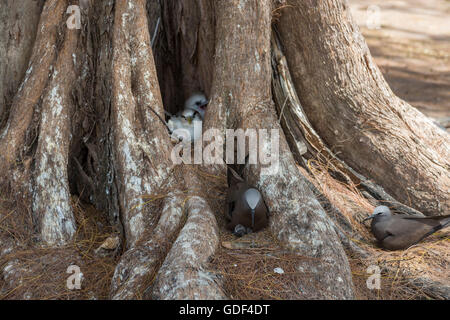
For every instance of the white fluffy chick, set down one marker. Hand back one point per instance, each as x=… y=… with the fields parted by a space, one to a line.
x=187 y=124
x=186 y=127
x=198 y=103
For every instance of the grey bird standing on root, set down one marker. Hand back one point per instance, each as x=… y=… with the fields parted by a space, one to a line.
x=400 y=231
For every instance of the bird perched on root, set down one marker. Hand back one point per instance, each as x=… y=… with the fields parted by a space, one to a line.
x=400 y=231
x=188 y=123
x=247 y=211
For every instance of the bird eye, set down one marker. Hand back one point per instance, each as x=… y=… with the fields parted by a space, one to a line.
x=198 y=103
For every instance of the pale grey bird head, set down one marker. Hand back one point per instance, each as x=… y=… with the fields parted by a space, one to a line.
x=380 y=212
x=252 y=196
x=197 y=102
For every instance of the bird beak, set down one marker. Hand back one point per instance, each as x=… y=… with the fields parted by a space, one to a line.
x=369 y=217
x=189 y=119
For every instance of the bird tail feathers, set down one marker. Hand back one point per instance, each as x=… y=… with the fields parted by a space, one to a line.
x=235 y=174
x=444 y=223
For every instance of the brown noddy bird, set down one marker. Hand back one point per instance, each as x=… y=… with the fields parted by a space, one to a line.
x=246 y=208
x=400 y=231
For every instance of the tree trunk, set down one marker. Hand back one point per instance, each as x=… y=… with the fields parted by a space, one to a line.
x=86 y=121
x=355 y=112
x=51 y=98
x=244 y=75
x=18 y=31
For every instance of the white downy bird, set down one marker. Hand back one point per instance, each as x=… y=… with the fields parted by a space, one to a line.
x=185 y=127
x=198 y=103
x=187 y=124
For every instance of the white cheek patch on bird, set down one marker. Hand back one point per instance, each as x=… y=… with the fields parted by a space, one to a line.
x=253 y=197
x=247 y=211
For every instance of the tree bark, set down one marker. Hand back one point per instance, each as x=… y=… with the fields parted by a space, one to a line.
x=355 y=112
x=243 y=70
x=17 y=33
x=84 y=121
x=30 y=91
x=143 y=169
x=44 y=101
x=51 y=194
x=136 y=130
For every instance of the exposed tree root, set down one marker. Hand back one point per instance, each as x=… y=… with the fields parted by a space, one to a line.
x=304 y=141
x=306 y=144
x=51 y=195
x=297 y=220
x=412 y=273
x=138 y=265
x=141 y=171
x=35 y=272
x=136 y=129
x=104 y=89
x=355 y=112
x=183 y=274
x=19 y=26
x=35 y=81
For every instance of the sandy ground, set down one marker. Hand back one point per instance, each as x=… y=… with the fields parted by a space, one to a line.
x=410 y=41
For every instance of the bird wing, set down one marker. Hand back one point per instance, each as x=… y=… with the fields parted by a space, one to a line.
x=176 y=122
x=399 y=232
x=236 y=190
x=234 y=178
x=386 y=234
x=402 y=225
x=232 y=194
x=444 y=220
x=435 y=223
